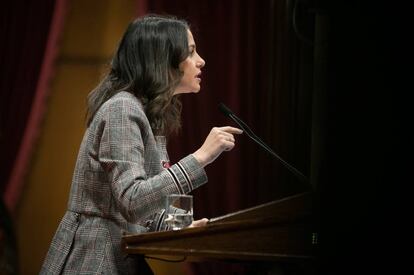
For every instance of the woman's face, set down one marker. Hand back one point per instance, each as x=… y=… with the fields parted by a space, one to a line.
x=191 y=67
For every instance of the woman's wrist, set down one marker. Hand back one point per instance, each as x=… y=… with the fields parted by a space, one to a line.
x=199 y=156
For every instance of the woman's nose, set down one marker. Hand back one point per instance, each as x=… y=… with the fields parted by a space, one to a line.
x=201 y=63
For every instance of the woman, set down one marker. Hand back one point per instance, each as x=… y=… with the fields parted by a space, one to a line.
x=122 y=173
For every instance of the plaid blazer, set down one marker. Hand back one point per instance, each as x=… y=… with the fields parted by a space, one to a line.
x=118 y=186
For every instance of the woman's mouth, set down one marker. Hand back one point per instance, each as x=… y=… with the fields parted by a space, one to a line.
x=198 y=76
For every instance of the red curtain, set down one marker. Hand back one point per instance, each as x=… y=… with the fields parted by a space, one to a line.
x=30 y=32
x=24 y=31
x=259 y=68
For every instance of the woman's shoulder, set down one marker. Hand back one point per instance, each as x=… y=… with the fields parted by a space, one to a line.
x=125 y=97
x=121 y=109
x=123 y=102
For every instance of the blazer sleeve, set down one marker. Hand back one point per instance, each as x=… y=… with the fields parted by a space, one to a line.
x=157 y=223
x=121 y=154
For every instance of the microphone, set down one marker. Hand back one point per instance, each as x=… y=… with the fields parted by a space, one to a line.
x=227 y=112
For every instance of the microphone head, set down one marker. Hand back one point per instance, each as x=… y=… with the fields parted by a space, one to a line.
x=226 y=111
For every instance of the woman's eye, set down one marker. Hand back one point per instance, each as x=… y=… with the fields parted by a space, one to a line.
x=191 y=51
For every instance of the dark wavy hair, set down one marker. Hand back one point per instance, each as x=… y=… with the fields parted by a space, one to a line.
x=146 y=64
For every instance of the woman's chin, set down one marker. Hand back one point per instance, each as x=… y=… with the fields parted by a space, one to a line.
x=192 y=91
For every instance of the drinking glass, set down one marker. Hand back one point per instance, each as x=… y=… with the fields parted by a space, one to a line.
x=179 y=211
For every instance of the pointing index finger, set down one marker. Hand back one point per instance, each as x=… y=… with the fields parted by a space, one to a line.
x=231 y=130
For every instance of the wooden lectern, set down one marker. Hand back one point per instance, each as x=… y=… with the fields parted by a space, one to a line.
x=279 y=231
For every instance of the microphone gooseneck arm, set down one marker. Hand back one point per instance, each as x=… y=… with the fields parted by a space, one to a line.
x=226 y=111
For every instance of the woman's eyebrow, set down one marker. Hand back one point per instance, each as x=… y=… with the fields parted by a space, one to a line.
x=192 y=46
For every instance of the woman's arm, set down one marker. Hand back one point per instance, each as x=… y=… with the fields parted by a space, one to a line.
x=121 y=154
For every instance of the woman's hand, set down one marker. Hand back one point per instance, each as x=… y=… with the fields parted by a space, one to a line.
x=199 y=223
x=220 y=139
